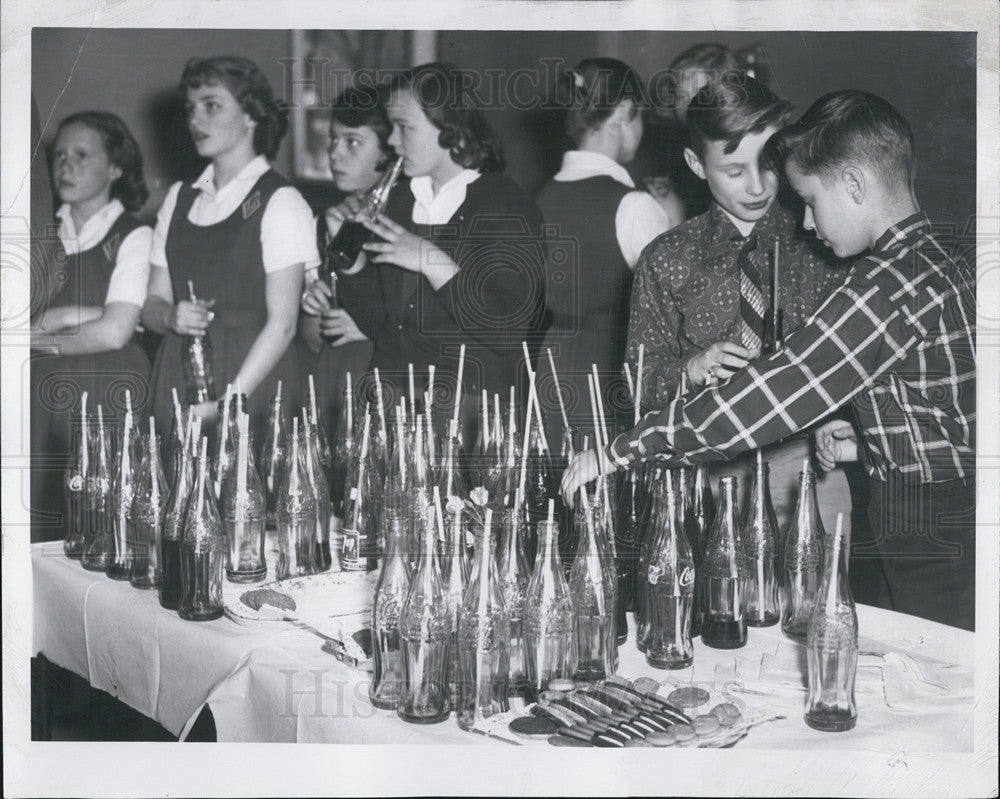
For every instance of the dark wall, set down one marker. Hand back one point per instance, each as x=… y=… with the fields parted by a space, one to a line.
x=930 y=77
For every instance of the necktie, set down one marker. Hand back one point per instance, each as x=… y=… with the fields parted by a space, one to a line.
x=751 y=298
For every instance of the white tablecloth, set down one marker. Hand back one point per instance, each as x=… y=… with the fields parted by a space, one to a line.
x=914 y=685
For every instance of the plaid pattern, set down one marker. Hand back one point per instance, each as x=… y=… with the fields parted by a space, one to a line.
x=897 y=340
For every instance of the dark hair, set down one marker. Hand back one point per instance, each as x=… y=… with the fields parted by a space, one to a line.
x=123 y=152
x=364 y=106
x=251 y=89
x=593 y=89
x=443 y=94
x=730 y=108
x=847 y=127
x=709 y=57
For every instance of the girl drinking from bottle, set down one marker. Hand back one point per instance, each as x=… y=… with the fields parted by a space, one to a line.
x=359 y=154
x=82 y=337
x=240 y=235
x=458 y=258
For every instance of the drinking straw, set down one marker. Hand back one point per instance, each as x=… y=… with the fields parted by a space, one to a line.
x=774 y=293
x=760 y=543
x=482 y=619
x=452 y=435
x=203 y=466
x=537 y=405
x=128 y=403
x=241 y=481
x=600 y=406
x=638 y=383
x=381 y=406
x=510 y=430
x=519 y=497
x=272 y=467
x=400 y=448
x=458 y=384
x=497 y=420
x=153 y=455
x=239 y=396
x=671 y=510
x=484 y=406
x=222 y=435
x=585 y=506
x=430 y=382
x=350 y=406
x=413 y=392
x=191 y=290
x=178 y=413
x=628 y=379
x=597 y=425
x=294 y=456
x=431 y=443
x=559 y=396
x=312 y=402
x=831 y=596
x=85 y=433
x=438 y=515
x=364 y=434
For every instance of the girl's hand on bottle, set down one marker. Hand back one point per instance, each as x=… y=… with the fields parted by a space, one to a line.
x=336 y=215
x=399 y=247
x=338 y=328
x=316 y=298
x=189 y=318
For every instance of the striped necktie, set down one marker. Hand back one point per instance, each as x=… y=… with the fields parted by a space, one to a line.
x=751 y=297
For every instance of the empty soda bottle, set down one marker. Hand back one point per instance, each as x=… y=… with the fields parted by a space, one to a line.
x=173 y=517
x=296 y=513
x=273 y=455
x=832 y=644
x=759 y=534
x=99 y=499
x=514 y=578
x=120 y=556
x=148 y=503
x=243 y=512
x=75 y=482
x=483 y=639
x=803 y=561
x=319 y=483
x=390 y=594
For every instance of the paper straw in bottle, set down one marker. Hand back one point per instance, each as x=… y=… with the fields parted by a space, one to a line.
x=429 y=418
x=831 y=595
x=350 y=407
x=223 y=426
x=153 y=456
x=413 y=392
x=312 y=402
x=760 y=544
x=774 y=292
x=600 y=406
x=559 y=396
x=381 y=406
x=522 y=481
x=631 y=383
x=458 y=384
x=128 y=403
x=497 y=420
x=438 y=515
x=241 y=476
x=273 y=465
x=178 y=414
x=239 y=397
x=484 y=583
x=430 y=381
x=638 y=383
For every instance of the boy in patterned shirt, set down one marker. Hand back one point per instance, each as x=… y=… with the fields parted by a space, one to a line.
x=699 y=297
x=896 y=341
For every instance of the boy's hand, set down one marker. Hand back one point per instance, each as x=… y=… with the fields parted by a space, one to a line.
x=581 y=470
x=338 y=328
x=720 y=361
x=836 y=442
x=316 y=298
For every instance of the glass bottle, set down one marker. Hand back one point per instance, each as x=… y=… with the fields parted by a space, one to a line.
x=173 y=519
x=652 y=521
x=628 y=530
x=724 y=623
x=173 y=450
x=343 y=446
x=832 y=645
x=203 y=550
x=548 y=615
x=593 y=588
x=803 y=561
x=605 y=500
x=425 y=627
x=703 y=511
x=358 y=531
x=273 y=455
x=539 y=484
x=296 y=513
x=483 y=639
x=120 y=558
x=455 y=572
x=479 y=458
x=390 y=595
x=514 y=577
x=319 y=484
x=75 y=482
x=148 y=503
x=244 y=513
x=759 y=534
x=689 y=525
x=197 y=364
x=344 y=248
x=99 y=501
x=670 y=579
x=230 y=408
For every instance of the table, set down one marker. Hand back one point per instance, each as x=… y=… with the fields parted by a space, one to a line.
x=914 y=685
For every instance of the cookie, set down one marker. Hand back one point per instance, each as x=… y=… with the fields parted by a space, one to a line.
x=706 y=725
x=727 y=714
x=688 y=696
x=683 y=732
x=533 y=727
x=266 y=596
x=661 y=738
x=561 y=684
x=646 y=685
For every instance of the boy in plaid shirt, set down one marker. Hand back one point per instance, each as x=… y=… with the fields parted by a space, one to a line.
x=896 y=341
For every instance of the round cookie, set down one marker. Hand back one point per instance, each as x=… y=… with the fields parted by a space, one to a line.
x=646 y=685
x=533 y=727
x=561 y=684
x=706 y=725
x=683 y=732
x=661 y=738
x=688 y=696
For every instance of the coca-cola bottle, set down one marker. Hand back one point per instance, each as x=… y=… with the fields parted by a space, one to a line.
x=296 y=513
x=197 y=364
x=273 y=455
x=320 y=434
x=203 y=550
x=548 y=615
x=703 y=511
x=653 y=520
x=803 y=561
x=390 y=594
x=120 y=557
x=173 y=518
x=343 y=446
x=514 y=577
x=321 y=494
x=759 y=534
x=483 y=639
x=148 y=503
x=344 y=248
x=75 y=482
x=593 y=587
x=724 y=624
x=425 y=627
x=359 y=535
x=173 y=449
x=99 y=500
x=670 y=581
x=244 y=512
